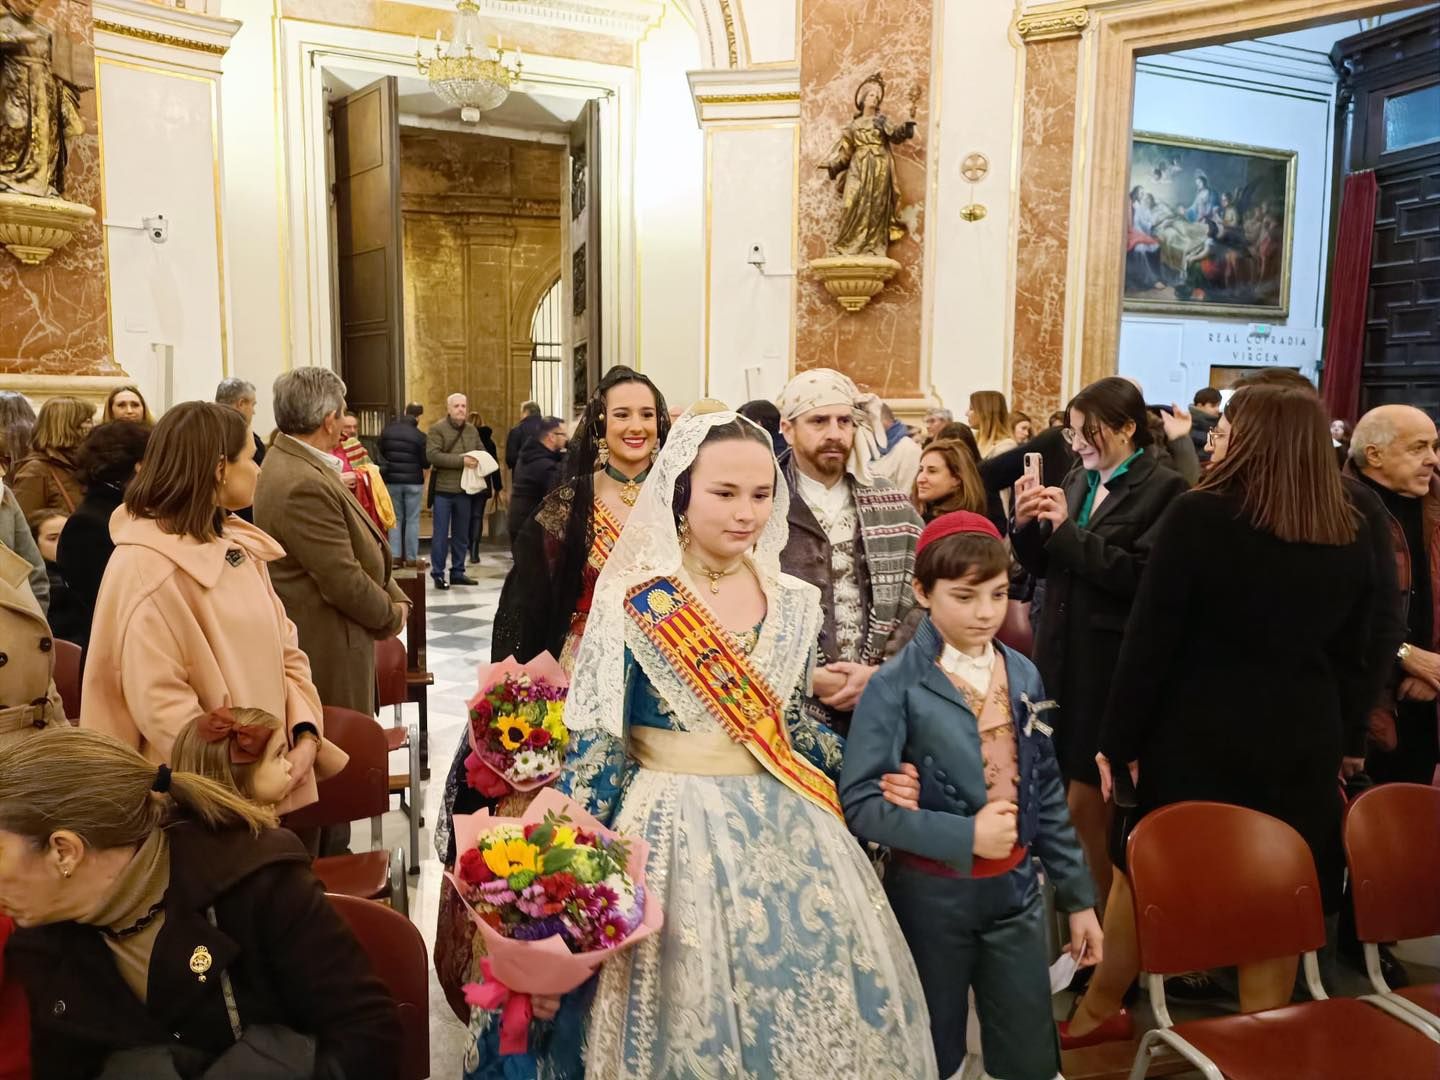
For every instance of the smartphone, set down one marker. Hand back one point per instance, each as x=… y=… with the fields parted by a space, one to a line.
x=1125 y=797
x=1034 y=469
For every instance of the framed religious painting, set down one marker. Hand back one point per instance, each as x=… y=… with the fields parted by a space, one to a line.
x=1208 y=228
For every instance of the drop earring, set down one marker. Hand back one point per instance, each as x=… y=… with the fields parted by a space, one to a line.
x=684 y=533
x=603 y=455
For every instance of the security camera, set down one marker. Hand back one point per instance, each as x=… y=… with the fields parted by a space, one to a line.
x=158 y=228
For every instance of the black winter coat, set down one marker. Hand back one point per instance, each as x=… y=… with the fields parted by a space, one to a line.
x=290 y=957
x=537 y=474
x=518 y=437
x=84 y=551
x=1091 y=576
x=1260 y=719
x=402 y=446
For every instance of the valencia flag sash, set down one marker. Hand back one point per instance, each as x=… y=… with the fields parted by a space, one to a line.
x=721 y=676
x=607 y=532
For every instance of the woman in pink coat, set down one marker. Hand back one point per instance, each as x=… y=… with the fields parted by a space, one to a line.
x=186 y=620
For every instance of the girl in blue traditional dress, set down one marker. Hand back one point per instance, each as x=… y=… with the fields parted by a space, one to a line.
x=779 y=956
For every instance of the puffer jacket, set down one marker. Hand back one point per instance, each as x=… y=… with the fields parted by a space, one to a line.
x=402 y=446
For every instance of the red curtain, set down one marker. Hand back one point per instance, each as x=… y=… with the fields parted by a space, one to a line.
x=1349 y=296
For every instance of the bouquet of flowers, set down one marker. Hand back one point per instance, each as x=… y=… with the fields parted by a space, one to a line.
x=554 y=893
x=517 y=728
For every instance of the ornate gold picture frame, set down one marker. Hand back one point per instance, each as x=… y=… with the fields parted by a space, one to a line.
x=1208 y=228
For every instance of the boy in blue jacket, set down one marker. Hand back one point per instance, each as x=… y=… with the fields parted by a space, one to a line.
x=966 y=712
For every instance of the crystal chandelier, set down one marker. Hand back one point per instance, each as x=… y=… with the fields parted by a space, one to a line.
x=470 y=80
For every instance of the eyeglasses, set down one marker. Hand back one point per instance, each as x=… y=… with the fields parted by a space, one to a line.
x=1071 y=437
x=1212 y=439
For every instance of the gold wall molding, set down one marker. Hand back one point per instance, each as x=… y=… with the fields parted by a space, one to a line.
x=1052 y=25
x=747 y=99
x=728 y=17
x=155 y=37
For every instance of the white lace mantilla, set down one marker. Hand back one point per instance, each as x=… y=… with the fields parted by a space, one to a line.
x=649 y=548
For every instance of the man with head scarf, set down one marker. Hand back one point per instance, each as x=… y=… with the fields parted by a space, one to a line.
x=852 y=535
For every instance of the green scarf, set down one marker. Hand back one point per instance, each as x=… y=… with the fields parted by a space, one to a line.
x=1092 y=478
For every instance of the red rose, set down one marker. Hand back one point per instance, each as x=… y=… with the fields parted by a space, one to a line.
x=539 y=737
x=530 y=829
x=485 y=712
x=472 y=868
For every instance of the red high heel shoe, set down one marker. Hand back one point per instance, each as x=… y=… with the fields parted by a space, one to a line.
x=1117 y=1028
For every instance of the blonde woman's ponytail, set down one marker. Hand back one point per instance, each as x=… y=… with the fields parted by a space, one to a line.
x=106 y=792
x=216 y=805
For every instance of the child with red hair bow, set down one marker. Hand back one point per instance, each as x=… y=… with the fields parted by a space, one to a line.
x=244 y=749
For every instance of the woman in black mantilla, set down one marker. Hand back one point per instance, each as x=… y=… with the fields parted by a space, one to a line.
x=546 y=599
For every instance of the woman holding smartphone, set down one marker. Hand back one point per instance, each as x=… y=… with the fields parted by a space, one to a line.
x=1269 y=520
x=1088 y=539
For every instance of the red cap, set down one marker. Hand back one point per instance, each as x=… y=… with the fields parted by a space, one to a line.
x=958 y=521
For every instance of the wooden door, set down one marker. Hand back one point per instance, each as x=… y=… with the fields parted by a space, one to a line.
x=1389 y=93
x=370 y=252
x=582 y=258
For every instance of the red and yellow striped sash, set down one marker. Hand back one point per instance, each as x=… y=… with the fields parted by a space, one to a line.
x=721 y=676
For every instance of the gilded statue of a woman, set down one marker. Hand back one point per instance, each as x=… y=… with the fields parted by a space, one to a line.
x=41 y=76
x=870 y=222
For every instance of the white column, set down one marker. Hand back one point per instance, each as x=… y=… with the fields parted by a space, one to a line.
x=751 y=123
x=158 y=99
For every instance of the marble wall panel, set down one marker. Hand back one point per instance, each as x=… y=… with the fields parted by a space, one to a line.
x=482 y=234
x=841 y=43
x=1046 y=159
x=54 y=318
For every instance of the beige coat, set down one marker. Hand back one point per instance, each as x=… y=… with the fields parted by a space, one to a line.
x=334 y=577
x=28 y=698
x=182 y=628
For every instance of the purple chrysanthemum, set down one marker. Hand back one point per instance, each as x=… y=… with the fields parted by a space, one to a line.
x=611 y=932
x=605 y=897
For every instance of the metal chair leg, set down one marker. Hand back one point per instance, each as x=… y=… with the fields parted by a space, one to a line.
x=416 y=795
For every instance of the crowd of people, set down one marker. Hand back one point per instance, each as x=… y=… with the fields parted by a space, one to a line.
x=969 y=657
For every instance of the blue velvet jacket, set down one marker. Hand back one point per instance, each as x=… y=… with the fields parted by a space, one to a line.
x=910 y=712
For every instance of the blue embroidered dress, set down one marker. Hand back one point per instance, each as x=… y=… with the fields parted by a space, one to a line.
x=779 y=956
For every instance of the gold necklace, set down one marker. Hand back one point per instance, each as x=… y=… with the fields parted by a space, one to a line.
x=629 y=485
x=715 y=576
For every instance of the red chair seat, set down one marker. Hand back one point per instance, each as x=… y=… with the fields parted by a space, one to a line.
x=397 y=738
x=1340 y=1038
x=1427 y=997
x=365 y=875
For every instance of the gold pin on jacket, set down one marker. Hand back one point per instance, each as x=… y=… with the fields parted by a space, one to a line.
x=200 y=961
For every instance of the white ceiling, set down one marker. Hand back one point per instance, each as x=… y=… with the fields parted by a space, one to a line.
x=523 y=112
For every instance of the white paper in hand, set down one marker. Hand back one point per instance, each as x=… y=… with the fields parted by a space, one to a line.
x=1062 y=971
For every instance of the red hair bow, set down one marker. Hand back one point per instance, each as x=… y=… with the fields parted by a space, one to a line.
x=247 y=741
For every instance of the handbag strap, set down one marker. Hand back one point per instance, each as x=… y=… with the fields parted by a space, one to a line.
x=69 y=502
x=227 y=989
